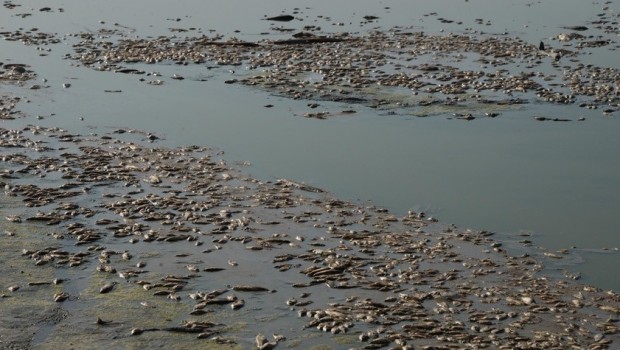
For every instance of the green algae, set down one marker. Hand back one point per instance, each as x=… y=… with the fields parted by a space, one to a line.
x=123 y=303
x=346 y=339
x=30 y=307
x=321 y=347
x=97 y=339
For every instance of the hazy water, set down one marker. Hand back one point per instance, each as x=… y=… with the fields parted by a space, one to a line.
x=511 y=174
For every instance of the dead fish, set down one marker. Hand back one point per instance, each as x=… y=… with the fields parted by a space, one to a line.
x=125 y=274
x=278 y=337
x=214 y=293
x=41 y=283
x=147 y=304
x=577 y=28
x=281 y=18
x=221 y=301
x=101 y=322
x=260 y=340
x=107 y=288
x=246 y=288
x=237 y=304
x=162 y=292
x=129 y=71
x=14 y=218
x=207 y=335
x=198 y=312
x=527 y=300
x=269 y=345
x=213 y=269
x=154 y=179
x=60 y=297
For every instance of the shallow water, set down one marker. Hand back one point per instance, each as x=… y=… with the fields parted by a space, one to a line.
x=511 y=174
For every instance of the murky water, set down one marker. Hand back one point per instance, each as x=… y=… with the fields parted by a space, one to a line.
x=512 y=174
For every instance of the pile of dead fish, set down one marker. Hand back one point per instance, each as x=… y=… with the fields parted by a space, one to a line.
x=359 y=69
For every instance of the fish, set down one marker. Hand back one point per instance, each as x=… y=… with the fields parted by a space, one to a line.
x=281 y=18
x=107 y=288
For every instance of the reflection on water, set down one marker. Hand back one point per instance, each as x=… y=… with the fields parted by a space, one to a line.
x=511 y=174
